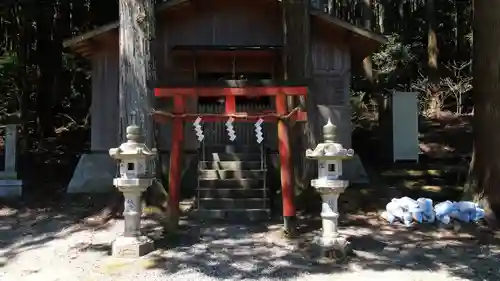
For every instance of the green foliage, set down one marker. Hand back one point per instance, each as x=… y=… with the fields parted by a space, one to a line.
x=8 y=69
x=393 y=63
x=8 y=87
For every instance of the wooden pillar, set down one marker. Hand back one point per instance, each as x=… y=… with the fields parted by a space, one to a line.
x=287 y=191
x=296 y=34
x=175 y=168
x=296 y=66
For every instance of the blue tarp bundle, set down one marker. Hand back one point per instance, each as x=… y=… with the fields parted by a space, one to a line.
x=463 y=211
x=408 y=210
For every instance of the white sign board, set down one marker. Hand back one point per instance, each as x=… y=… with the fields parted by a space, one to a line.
x=405 y=126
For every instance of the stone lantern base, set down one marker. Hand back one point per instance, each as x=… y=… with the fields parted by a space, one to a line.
x=330 y=243
x=131 y=247
x=338 y=246
x=132 y=244
x=336 y=252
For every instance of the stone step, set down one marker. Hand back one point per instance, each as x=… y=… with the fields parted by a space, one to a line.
x=232 y=183
x=235 y=215
x=233 y=149
x=227 y=193
x=233 y=204
x=231 y=174
x=211 y=156
x=231 y=165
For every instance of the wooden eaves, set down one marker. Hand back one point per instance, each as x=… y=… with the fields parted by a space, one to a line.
x=362 y=41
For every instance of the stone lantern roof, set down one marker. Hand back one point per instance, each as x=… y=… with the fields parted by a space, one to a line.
x=134 y=147
x=329 y=149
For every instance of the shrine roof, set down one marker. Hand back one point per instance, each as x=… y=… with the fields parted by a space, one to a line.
x=363 y=38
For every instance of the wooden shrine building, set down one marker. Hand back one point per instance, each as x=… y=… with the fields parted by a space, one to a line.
x=215 y=52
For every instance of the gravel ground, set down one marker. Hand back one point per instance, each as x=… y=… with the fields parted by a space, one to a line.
x=52 y=247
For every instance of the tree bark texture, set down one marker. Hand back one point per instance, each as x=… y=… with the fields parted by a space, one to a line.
x=136 y=82
x=432 y=44
x=137 y=74
x=25 y=91
x=137 y=70
x=367 y=62
x=432 y=57
x=138 y=77
x=486 y=72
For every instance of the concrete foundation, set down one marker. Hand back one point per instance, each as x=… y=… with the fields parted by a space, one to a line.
x=93 y=174
x=131 y=247
x=355 y=172
x=11 y=188
x=10 y=185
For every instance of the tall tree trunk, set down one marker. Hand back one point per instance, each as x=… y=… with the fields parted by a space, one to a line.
x=432 y=58
x=137 y=69
x=22 y=51
x=383 y=120
x=136 y=82
x=45 y=58
x=62 y=30
x=137 y=29
x=486 y=71
x=367 y=62
x=380 y=16
x=462 y=28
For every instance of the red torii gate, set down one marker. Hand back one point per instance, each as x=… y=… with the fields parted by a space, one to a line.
x=179 y=114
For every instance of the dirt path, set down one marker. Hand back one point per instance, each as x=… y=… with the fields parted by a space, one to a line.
x=53 y=247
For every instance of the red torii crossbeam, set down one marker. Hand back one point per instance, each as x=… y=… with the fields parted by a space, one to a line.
x=250 y=91
x=179 y=115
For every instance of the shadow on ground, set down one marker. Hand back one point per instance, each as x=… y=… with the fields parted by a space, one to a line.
x=259 y=252
x=469 y=251
x=31 y=224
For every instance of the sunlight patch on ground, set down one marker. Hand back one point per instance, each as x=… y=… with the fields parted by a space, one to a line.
x=420 y=185
x=113 y=265
x=432 y=188
x=412 y=173
x=412 y=184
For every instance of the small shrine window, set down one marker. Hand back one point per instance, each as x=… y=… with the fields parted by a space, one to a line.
x=331 y=167
x=130 y=166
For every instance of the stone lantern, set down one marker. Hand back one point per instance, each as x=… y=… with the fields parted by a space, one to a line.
x=136 y=175
x=330 y=185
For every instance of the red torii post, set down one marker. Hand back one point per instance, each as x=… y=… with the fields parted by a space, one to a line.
x=179 y=115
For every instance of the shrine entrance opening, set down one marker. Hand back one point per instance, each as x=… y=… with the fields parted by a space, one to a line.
x=215 y=132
